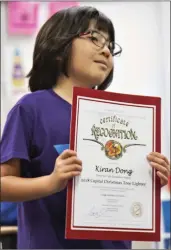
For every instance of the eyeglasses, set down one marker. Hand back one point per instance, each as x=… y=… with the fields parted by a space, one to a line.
x=99 y=40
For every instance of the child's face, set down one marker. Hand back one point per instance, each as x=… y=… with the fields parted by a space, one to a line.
x=87 y=61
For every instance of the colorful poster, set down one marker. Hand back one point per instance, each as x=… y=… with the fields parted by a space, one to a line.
x=56 y=6
x=18 y=78
x=22 y=17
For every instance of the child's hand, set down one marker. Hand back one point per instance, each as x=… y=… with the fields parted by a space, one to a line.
x=162 y=165
x=67 y=166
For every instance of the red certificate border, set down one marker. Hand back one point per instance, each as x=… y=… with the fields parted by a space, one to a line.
x=147 y=234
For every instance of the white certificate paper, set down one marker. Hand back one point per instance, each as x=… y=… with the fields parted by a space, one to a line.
x=117 y=194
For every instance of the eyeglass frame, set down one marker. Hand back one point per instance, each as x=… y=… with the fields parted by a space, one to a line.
x=105 y=43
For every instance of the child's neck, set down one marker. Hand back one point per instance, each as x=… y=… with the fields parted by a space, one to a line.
x=64 y=88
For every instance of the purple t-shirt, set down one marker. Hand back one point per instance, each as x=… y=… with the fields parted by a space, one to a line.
x=35 y=124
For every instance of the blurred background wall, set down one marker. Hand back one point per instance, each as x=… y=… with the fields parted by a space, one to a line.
x=143 y=31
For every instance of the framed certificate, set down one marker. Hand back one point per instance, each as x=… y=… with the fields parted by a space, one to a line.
x=117 y=195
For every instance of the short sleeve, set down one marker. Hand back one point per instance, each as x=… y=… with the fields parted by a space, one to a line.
x=17 y=134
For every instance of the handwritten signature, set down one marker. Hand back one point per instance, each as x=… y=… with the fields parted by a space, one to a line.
x=97 y=212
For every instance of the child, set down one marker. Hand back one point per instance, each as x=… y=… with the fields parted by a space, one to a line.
x=75 y=47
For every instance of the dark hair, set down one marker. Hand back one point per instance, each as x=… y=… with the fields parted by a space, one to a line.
x=54 y=41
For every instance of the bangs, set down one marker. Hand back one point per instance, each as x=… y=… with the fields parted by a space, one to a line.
x=80 y=18
x=104 y=24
